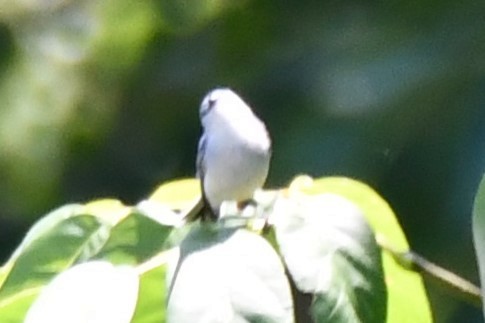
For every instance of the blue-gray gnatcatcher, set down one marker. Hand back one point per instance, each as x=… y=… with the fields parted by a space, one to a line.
x=234 y=151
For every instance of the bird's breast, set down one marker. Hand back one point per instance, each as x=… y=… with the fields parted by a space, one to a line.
x=234 y=169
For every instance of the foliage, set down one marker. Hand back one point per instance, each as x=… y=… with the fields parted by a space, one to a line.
x=82 y=261
x=100 y=98
x=401 y=298
x=479 y=231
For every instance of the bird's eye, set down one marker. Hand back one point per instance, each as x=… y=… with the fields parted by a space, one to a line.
x=209 y=104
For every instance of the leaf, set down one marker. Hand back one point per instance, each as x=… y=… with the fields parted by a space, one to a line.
x=177 y=194
x=15 y=310
x=110 y=210
x=94 y=292
x=479 y=232
x=134 y=239
x=406 y=292
x=152 y=297
x=102 y=229
x=228 y=276
x=52 y=245
x=3 y=273
x=331 y=253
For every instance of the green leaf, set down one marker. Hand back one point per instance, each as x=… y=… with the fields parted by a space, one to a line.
x=102 y=229
x=52 y=245
x=177 y=194
x=152 y=297
x=228 y=276
x=479 y=231
x=406 y=292
x=109 y=210
x=134 y=239
x=14 y=311
x=331 y=253
x=94 y=292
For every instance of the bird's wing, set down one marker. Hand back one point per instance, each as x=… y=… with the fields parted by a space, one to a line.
x=202 y=208
x=200 y=164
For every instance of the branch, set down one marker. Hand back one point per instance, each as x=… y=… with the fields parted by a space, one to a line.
x=417 y=263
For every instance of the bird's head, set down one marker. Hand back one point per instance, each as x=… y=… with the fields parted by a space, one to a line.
x=222 y=105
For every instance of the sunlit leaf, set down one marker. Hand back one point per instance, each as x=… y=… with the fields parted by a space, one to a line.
x=109 y=210
x=152 y=298
x=134 y=239
x=51 y=246
x=331 y=253
x=177 y=194
x=406 y=292
x=94 y=292
x=228 y=276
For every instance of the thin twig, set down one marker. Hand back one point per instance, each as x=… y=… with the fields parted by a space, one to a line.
x=410 y=260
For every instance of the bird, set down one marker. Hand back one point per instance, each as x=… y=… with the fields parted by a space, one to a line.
x=234 y=152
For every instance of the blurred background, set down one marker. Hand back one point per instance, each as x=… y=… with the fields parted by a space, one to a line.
x=101 y=99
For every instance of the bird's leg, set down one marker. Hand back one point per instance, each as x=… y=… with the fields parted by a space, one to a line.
x=208 y=213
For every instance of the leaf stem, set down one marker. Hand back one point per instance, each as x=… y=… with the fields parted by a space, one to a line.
x=410 y=260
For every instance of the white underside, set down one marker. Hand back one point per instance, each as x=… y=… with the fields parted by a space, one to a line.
x=233 y=172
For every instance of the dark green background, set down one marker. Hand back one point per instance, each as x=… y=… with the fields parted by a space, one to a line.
x=100 y=98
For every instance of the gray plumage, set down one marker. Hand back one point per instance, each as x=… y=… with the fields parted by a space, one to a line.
x=234 y=151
